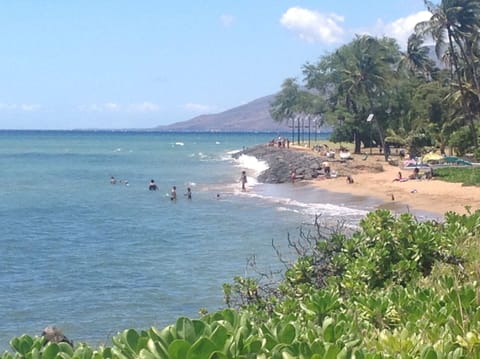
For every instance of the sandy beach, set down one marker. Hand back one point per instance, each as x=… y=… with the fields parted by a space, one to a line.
x=433 y=195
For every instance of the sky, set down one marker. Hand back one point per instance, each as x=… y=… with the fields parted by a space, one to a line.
x=116 y=64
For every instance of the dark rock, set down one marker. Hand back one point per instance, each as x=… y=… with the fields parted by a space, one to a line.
x=307 y=164
x=54 y=335
x=282 y=161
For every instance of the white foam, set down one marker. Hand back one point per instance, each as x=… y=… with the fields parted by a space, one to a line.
x=311 y=208
x=232 y=152
x=252 y=163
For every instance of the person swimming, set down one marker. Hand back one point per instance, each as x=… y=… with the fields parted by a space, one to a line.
x=152 y=186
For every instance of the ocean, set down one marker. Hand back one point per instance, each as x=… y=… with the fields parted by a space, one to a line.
x=95 y=258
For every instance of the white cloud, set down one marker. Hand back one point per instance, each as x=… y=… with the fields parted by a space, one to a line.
x=143 y=107
x=401 y=28
x=22 y=107
x=105 y=107
x=313 y=26
x=227 y=20
x=111 y=107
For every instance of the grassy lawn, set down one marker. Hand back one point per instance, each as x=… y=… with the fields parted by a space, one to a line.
x=469 y=176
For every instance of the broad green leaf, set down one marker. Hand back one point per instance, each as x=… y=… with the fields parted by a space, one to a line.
x=429 y=353
x=219 y=336
x=83 y=352
x=35 y=353
x=131 y=339
x=145 y=354
x=178 y=349
x=50 y=351
x=201 y=349
x=255 y=346
x=185 y=329
x=200 y=328
x=117 y=353
x=218 y=355
x=329 y=333
x=318 y=347
x=167 y=334
x=65 y=348
x=287 y=334
x=158 y=348
x=22 y=344
x=230 y=316
x=332 y=352
x=327 y=322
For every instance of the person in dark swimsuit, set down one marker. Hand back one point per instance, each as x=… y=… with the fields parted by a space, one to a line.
x=152 y=186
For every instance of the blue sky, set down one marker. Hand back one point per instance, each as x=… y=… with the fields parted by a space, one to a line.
x=139 y=64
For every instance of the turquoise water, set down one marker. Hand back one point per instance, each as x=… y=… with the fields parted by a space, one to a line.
x=94 y=258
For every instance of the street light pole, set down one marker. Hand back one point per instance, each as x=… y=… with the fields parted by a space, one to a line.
x=308 y=131
x=369 y=120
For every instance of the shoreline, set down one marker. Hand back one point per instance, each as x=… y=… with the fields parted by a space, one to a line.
x=373 y=177
x=432 y=195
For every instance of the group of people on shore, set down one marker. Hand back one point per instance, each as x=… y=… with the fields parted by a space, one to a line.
x=281 y=142
x=416 y=175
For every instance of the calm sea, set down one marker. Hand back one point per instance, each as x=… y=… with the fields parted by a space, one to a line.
x=94 y=258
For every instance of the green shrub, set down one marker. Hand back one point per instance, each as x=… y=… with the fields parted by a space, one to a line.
x=396 y=288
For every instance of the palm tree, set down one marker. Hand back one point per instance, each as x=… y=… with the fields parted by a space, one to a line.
x=451 y=25
x=283 y=106
x=416 y=59
x=354 y=79
x=296 y=105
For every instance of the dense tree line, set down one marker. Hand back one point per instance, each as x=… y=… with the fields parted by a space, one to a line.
x=425 y=95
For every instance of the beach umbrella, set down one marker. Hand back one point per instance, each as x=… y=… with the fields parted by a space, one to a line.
x=431 y=157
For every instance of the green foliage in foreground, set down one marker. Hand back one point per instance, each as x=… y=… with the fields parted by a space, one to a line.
x=396 y=288
x=469 y=176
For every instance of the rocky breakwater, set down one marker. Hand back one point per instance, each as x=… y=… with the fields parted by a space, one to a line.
x=282 y=161
x=307 y=164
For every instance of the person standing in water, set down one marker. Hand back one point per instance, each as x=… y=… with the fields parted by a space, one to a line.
x=189 y=193
x=152 y=185
x=243 y=179
x=173 y=194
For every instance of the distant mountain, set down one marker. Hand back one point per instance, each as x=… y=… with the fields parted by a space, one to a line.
x=251 y=117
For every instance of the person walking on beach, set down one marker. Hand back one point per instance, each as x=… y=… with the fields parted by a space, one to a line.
x=293 y=176
x=243 y=179
x=173 y=194
x=326 y=169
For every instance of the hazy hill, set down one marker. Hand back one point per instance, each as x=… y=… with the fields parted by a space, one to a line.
x=251 y=117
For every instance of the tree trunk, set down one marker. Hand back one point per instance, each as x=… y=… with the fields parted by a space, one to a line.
x=466 y=110
x=357 y=142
